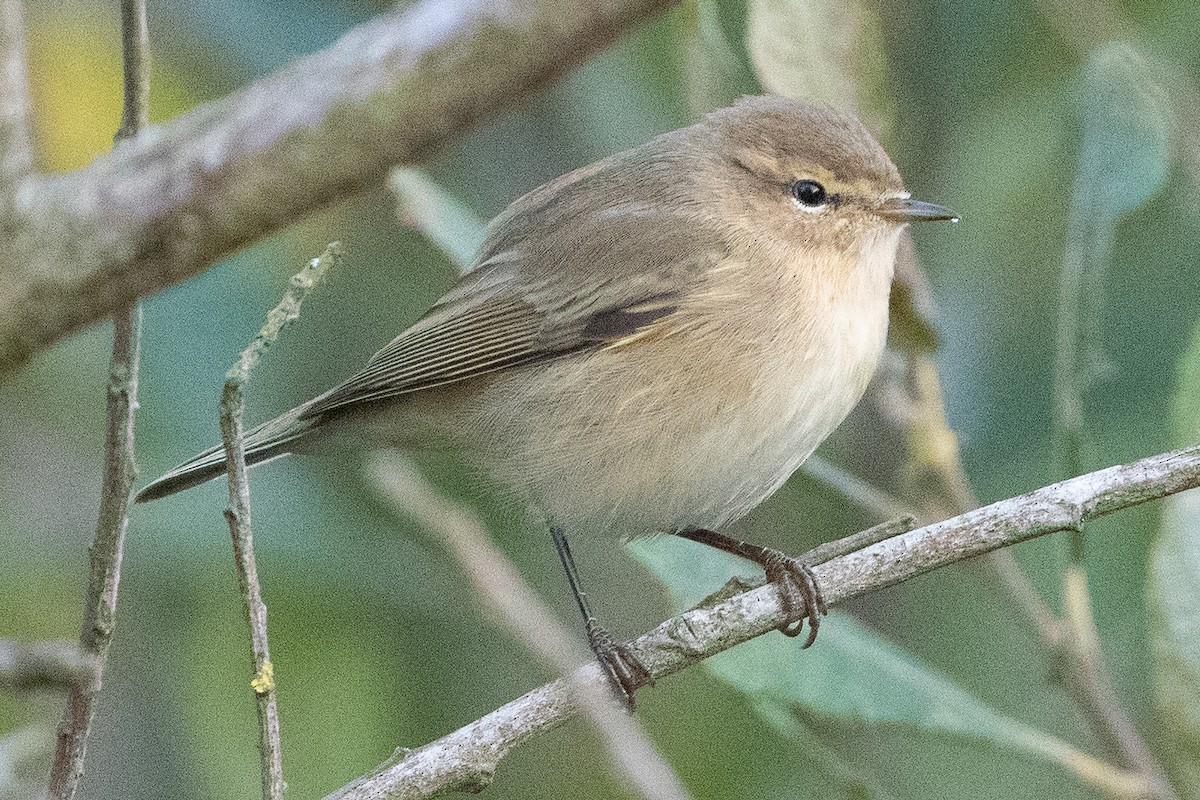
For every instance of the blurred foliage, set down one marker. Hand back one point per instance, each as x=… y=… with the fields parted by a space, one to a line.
x=445 y=220
x=1174 y=599
x=830 y=52
x=1124 y=156
x=376 y=638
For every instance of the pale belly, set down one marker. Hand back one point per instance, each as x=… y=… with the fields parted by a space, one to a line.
x=693 y=425
x=636 y=443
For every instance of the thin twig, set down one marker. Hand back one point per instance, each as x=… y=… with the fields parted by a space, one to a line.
x=120 y=467
x=166 y=207
x=515 y=605
x=107 y=551
x=135 y=50
x=238 y=515
x=861 y=540
x=467 y=758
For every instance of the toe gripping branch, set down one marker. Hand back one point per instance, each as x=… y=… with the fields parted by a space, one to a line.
x=799 y=593
x=798 y=589
x=625 y=672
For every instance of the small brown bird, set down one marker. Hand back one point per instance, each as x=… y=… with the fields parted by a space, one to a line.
x=651 y=343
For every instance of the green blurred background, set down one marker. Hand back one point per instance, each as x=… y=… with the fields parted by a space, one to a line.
x=377 y=640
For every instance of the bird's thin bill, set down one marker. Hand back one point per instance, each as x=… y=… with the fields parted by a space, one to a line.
x=906 y=209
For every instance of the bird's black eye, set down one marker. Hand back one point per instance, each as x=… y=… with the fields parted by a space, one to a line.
x=808 y=193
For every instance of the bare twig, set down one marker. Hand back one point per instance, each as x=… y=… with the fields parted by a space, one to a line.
x=866 y=496
x=165 y=207
x=40 y=665
x=135 y=50
x=466 y=758
x=515 y=605
x=120 y=467
x=238 y=515
x=107 y=551
x=16 y=149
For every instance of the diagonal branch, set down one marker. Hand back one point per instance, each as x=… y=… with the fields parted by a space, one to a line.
x=467 y=758
x=165 y=207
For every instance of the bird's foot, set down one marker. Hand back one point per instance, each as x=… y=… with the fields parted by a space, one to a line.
x=624 y=670
x=798 y=590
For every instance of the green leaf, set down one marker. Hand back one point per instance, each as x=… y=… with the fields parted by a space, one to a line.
x=444 y=219
x=851 y=674
x=822 y=50
x=1174 y=600
x=1126 y=135
x=1123 y=161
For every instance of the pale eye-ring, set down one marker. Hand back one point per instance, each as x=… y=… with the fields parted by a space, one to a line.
x=809 y=194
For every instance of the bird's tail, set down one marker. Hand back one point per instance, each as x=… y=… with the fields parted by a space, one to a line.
x=269 y=440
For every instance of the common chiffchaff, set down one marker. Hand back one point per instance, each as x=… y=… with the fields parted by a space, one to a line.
x=651 y=343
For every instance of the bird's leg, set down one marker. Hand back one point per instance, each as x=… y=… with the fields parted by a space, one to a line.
x=798 y=587
x=626 y=673
x=797 y=584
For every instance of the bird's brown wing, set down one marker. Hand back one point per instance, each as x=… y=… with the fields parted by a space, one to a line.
x=546 y=286
x=554 y=278
x=469 y=337
x=459 y=338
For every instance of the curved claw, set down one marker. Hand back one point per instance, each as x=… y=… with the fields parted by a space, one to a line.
x=625 y=671
x=798 y=589
x=799 y=592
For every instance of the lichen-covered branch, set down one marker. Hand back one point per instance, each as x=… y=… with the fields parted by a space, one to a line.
x=166 y=206
x=237 y=514
x=120 y=464
x=466 y=759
